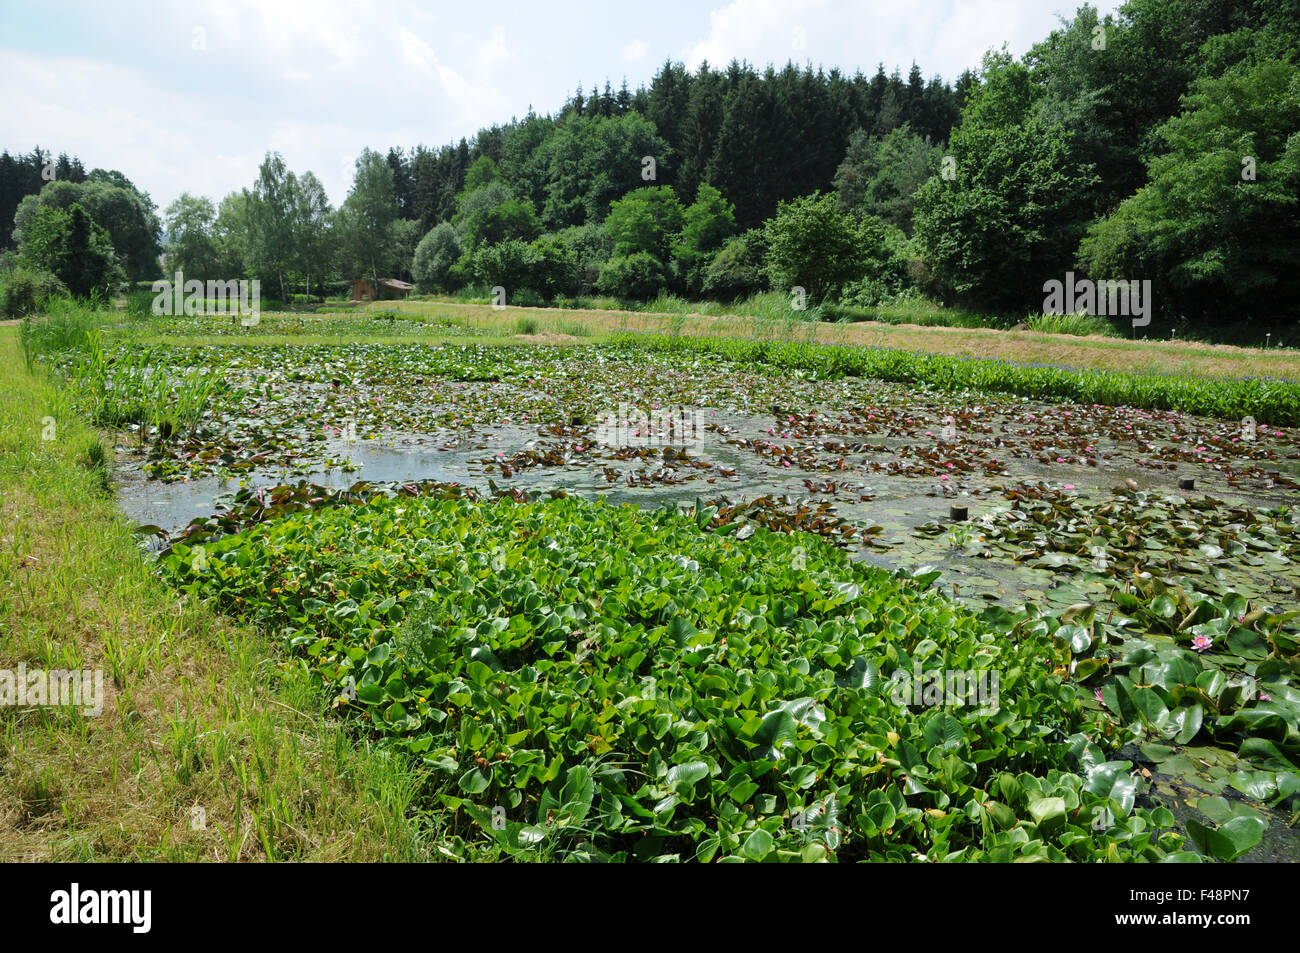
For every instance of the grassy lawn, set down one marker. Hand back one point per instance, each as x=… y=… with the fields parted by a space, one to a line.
x=206 y=748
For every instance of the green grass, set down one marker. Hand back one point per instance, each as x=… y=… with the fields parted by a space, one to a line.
x=1081 y=325
x=198 y=713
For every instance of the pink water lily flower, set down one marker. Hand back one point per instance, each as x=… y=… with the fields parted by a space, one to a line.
x=1202 y=642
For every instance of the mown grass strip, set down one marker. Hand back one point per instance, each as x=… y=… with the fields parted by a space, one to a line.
x=206 y=749
x=1267 y=400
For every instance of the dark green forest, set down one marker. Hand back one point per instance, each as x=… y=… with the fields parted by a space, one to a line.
x=1161 y=144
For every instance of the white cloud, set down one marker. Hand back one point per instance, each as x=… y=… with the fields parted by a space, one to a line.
x=634 y=52
x=492 y=52
x=942 y=36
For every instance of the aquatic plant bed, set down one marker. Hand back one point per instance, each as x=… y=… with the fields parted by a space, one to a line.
x=612 y=683
x=1265 y=400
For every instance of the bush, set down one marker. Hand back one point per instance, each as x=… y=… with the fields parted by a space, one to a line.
x=525 y=298
x=592 y=246
x=555 y=270
x=508 y=264
x=813 y=245
x=736 y=271
x=69 y=244
x=640 y=276
x=23 y=290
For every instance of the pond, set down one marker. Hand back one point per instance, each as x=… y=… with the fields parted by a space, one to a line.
x=1066 y=504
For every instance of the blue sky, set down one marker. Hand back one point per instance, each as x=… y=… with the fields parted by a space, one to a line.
x=188 y=96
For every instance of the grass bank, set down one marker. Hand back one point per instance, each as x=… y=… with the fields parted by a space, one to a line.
x=206 y=747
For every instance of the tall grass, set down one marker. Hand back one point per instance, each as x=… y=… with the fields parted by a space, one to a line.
x=133 y=386
x=67 y=326
x=1081 y=325
x=118 y=383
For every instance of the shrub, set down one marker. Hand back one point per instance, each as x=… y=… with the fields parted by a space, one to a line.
x=813 y=245
x=736 y=271
x=555 y=270
x=592 y=246
x=508 y=264
x=23 y=290
x=640 y=276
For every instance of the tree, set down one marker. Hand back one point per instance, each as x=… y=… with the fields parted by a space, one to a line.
x=813 y=245
x=592 y=161
x=68 y=244
x=314 y=239
x=490 y=213
x=880 y=176
x=272 y=208
x=190 y=246
x=645 y=220
x=232 y=235
x=1217 y=226
x=481 y=173
x=367 y=214
x=1012 y=214
x=115 y=205
x=405 y=238
x=706 y=224
x=435 y=255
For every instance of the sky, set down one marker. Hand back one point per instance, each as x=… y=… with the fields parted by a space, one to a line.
x=189 y=96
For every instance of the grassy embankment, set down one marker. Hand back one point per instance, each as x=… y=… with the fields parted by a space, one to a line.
x=197 y=713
